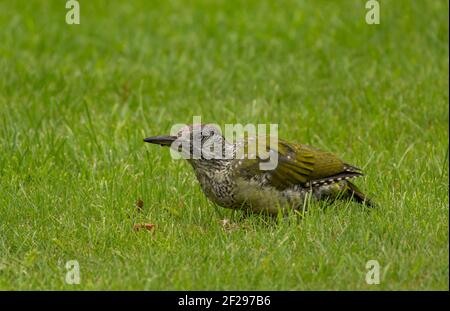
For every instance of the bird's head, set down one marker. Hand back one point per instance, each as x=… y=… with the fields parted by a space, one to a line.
x=197 y=143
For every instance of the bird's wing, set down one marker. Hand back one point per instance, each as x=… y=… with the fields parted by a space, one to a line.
x=299 y=165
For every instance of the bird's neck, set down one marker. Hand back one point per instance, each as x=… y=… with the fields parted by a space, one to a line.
x=210 y=167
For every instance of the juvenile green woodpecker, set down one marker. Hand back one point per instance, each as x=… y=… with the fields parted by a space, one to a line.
x=240 y=182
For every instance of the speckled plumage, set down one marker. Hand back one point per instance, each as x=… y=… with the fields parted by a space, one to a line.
x=302 y=172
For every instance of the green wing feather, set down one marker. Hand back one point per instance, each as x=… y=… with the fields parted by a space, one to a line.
x=299 y=165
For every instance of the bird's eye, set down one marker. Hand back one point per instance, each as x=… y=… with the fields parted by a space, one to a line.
x=207 y=134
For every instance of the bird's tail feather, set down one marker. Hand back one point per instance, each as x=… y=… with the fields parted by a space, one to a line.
x=358 y=196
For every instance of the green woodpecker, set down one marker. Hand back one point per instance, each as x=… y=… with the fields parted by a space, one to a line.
x=235 y=177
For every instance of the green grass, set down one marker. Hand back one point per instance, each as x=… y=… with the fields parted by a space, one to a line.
x=76 y=101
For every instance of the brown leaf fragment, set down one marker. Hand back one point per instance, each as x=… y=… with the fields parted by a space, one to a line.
x=139 y=204
x=147 y=226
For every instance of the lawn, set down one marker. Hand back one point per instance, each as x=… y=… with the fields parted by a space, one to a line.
x=77 y=100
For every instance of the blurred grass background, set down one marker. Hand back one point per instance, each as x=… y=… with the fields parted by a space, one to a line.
x=76 y=101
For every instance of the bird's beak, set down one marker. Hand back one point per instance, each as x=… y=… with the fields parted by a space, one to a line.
x=161 y=140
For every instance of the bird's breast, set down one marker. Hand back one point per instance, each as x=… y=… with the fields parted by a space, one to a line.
x=219 y=188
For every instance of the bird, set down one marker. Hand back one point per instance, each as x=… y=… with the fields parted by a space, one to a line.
x=239 y=182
